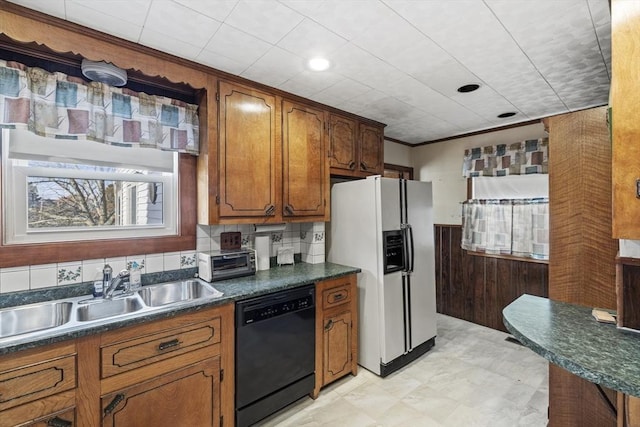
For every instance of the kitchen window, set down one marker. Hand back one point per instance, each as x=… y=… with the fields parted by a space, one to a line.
x=57 y=190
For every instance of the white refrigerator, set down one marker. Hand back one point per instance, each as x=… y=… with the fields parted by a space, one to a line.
x=384 y=226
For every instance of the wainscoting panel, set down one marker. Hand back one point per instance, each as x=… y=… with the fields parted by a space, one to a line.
x=477 y=288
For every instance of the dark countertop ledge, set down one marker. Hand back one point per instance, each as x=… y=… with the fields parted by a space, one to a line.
x=262 y=283
x=568 y=336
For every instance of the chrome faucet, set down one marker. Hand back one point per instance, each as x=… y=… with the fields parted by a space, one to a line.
x=111 y=284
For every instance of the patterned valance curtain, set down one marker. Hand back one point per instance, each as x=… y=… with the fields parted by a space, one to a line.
x=518 y=158
x=518 y=227
x=61 y=106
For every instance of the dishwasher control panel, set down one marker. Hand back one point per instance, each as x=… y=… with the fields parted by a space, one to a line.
x=275 y=305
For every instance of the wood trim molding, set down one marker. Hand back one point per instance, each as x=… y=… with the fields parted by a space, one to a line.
x=399 y=168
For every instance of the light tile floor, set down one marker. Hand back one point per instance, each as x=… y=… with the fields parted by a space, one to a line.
x=472 y=377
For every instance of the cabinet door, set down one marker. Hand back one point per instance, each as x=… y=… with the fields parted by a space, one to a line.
x=371 y=149
x=186 y=397
x=305 y=177
x=625 y=98
x=248 y=149
x=343 y=140
x=337 y=338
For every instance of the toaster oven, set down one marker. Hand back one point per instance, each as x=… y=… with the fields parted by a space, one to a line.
x=226 y=264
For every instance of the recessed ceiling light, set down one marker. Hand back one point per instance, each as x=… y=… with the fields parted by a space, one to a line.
x=505 y=115
x=468 y=88
x=319 y=64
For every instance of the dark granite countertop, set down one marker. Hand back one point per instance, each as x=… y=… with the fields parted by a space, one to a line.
x=568 y=336
x=263 y=282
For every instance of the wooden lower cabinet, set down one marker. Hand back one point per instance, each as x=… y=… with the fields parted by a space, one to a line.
x=38 y=385
x=336 y=330
x=169 y=372
x=185 y=397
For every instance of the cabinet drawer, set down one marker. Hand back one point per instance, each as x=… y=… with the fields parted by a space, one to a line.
x=65 y=418
x=131 y=354
x=335 y=296
x=37 y=381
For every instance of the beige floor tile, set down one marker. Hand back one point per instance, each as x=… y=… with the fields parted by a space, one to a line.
x=472 y=377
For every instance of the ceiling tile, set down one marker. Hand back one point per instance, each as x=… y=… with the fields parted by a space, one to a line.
x=218 y=10
x=220 y=62
x=348 y=18
x=166 y=43
x=310 y=39
x=97 y=19
x=237 y=45
x=308 y=83
x=576 y=63
x=50 y=7
x=508 y=72
x=352 y=61
x=251 y=16
x=342 y=90
x=180 y=23
x=132 y=11
x=275 y=67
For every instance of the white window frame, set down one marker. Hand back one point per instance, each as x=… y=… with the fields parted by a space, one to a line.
x=15 y=194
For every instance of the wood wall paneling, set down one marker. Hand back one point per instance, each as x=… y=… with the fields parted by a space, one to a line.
x=582 y=252
x=477 y=288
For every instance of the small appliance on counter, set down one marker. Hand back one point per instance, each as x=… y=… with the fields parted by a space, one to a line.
x=226 y=264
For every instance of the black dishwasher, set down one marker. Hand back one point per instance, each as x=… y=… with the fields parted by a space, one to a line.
x=275 y=352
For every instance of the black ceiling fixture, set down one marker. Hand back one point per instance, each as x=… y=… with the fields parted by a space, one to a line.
x=468 y=88
x=505 y=115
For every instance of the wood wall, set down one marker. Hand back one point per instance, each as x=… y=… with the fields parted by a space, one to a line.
x=477 y=288
x=582 y=252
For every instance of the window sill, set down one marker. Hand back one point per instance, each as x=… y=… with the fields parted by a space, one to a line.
x=508 y=257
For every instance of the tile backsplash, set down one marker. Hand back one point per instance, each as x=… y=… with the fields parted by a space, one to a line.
x=307 y=239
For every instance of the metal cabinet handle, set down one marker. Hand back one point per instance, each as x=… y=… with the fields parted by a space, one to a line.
x=270 y=210
x=115 y=402
x=363 y=166
x=352 y=165
x=338 y=297
x=288 y=210
x=59 y=422
x=329 y=325
x=168 y=344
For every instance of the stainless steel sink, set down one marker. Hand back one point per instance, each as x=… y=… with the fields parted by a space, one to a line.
x=33 y=317
x=101 y=309
x=173 y=292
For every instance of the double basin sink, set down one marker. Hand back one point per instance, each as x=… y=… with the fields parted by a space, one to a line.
x=46 y=316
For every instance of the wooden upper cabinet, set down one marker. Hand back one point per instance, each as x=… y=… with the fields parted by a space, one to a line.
x=343 y=133
x=371 y=149
x=304 y=166
x=356 y=148
x=248 y=147
x=625 y=98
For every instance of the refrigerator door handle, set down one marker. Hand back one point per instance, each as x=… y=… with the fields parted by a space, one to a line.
x=412 y=249
x=405 y=249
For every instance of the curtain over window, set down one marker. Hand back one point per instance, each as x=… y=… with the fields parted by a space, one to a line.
x=507 y=227
x=66 y=107
x=519 y=158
